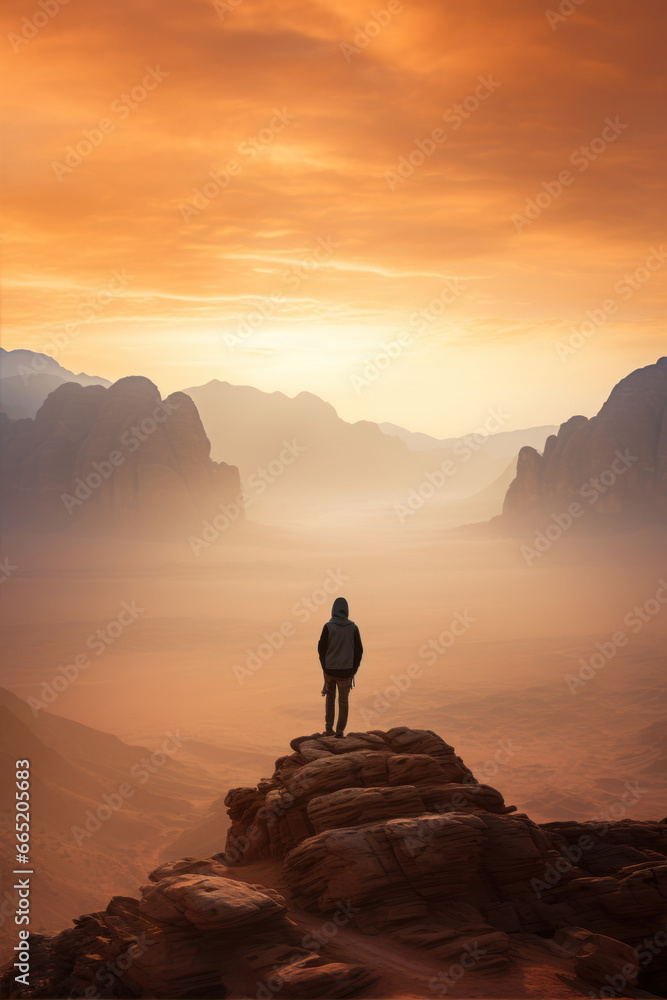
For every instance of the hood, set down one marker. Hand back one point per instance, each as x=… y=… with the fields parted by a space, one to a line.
x=340 y=611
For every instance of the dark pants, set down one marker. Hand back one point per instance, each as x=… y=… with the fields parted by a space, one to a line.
x=330 y=684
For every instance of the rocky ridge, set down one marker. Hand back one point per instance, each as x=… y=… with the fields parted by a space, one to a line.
x=613 y=467
x=112 y=459
x=387 y=836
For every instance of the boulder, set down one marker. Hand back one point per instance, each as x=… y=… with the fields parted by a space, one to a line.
x=600 y=960
x=208 y=902
x=190 y=935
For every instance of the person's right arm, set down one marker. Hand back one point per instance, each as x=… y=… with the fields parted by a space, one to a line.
x=323 y=645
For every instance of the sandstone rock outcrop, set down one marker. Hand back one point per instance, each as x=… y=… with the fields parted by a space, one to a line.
x=190 y=935
x=315 y=788
x=614 y=466
x=606 y=848
x=381 y=834
x=243 y=937
x=600 y=959
x=396 y=824
x=117 y=459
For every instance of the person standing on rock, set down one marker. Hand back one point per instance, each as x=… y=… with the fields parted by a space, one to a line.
x=340 y=653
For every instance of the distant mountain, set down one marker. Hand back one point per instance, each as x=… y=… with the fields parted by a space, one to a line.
x=502 y=444
x=117 y=459
x=27 y=378
x=612 y=467
x=296 y=456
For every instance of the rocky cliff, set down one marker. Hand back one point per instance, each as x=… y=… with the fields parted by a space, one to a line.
x=612 y=467
x=381 y=847
x=112 y=459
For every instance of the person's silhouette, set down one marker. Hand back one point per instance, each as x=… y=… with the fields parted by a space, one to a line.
x=340 y=653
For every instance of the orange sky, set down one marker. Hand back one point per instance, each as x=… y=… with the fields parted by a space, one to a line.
x=320 y=173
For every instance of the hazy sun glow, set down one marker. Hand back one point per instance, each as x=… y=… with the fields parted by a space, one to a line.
x=230 y=158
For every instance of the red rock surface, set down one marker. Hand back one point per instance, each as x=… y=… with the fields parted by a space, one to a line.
x=382 y=836
x=190 y=935
x=397 y=824
x=600 y=959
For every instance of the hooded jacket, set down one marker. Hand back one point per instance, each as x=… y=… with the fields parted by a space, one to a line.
x=340 y=649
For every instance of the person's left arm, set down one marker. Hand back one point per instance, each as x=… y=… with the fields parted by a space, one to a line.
x=358 y=649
